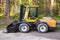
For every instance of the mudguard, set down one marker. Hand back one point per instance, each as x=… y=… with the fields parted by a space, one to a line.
x=13 y=27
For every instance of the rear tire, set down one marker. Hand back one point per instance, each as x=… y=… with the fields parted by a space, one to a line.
x=24 y=27
x=42 y=27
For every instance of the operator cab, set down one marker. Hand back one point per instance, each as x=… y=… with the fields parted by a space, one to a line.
x=29 y=14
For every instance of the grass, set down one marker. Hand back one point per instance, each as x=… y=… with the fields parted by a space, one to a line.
x=3 y=25
x=56 y=17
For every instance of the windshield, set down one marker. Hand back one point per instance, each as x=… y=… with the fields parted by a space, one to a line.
x=33 y=12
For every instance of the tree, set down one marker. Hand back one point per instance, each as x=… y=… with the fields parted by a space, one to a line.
x=8 y=8
x=51 y=7
x=58 y=6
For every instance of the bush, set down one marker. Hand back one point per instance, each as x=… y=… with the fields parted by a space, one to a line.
x=4 y=17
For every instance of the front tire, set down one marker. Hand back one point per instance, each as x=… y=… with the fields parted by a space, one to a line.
x=24 y=28
x=42 y=27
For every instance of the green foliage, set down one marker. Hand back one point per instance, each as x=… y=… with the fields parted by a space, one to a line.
x=41 y=16
x=25 y=2
x=17 y=16
x=0 y=10
x=56 y=17
x=3 y=17
x=44 y=8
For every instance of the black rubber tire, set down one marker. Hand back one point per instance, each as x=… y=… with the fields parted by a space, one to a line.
x=42 y=27
x=21 y=29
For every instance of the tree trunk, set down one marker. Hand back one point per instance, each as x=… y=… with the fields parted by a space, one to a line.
x=8 y=9
x=58 y=8
x=20 y=1
x=51 y=7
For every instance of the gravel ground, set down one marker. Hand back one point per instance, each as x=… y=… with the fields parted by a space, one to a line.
x=32 y=35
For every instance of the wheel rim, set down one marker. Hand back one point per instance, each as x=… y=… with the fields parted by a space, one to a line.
x=42 y=28
x=24 y=28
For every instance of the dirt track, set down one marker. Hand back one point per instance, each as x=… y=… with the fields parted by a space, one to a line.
x=53 y=35
x=32 y=35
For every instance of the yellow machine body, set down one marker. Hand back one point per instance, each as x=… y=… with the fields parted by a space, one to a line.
x=51 y=23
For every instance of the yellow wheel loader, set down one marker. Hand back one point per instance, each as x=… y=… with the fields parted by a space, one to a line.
x=29 y=19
